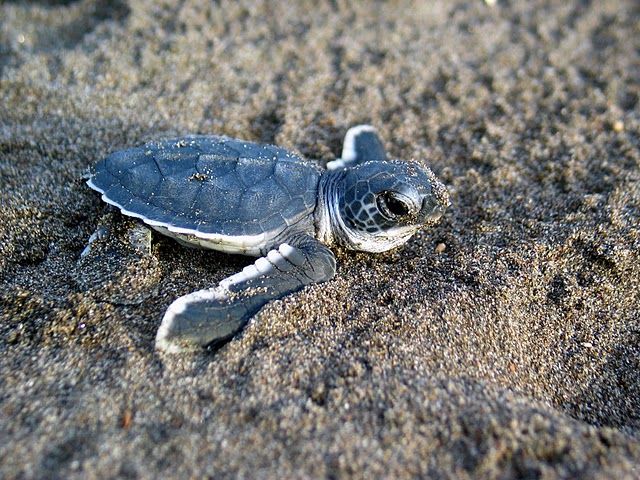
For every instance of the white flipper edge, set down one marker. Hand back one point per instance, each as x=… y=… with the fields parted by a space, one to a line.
x=216 y=314
x=349 y=147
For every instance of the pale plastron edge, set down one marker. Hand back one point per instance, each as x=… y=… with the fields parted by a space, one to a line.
x=214 y=237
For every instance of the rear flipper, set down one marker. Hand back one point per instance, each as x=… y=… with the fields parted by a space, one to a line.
x=361 y=144
x=216 y=314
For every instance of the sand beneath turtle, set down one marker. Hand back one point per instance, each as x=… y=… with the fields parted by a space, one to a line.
x=513 y=353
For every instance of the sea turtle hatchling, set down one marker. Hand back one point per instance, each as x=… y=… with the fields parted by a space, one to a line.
x=261 y=200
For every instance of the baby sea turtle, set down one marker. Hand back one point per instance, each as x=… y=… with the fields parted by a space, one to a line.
x=261 y=200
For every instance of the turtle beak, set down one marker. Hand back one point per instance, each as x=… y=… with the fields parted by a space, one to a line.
x=431 y=210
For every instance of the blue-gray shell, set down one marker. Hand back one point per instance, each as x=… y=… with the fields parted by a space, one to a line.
x=210 y=185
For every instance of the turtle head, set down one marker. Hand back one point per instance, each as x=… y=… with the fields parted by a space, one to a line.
x=380 y=205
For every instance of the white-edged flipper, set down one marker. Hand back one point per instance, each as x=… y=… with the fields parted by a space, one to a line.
x=213 y=315
x=361 y=144
x=101 y=233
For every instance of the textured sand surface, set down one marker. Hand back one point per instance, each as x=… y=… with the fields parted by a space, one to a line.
x=515 y=353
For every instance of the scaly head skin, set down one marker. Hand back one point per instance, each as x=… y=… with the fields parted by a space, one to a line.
x=376 y=206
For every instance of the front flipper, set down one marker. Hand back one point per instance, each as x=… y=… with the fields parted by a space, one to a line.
x=216 y=314
x=361 y=144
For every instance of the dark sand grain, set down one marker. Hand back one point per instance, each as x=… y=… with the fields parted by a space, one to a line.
x=513 y=353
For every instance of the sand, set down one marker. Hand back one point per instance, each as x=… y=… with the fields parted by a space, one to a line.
x=512 y=353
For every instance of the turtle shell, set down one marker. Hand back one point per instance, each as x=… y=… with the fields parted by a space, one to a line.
x=225 y=191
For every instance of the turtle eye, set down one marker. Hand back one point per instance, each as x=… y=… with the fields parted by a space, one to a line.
x=392 y=206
